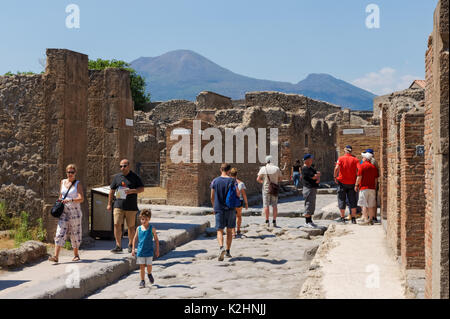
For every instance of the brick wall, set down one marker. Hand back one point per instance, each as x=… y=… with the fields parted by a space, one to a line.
x=436 y=156
x=412 y=201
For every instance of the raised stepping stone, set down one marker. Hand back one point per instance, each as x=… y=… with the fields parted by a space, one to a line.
x=210 y=232
x=296 y=234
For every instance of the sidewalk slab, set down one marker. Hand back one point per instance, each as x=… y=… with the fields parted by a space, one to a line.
x=98 y=267
x=354 y=262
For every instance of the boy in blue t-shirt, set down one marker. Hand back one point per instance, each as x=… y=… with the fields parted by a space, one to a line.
x=144 y=236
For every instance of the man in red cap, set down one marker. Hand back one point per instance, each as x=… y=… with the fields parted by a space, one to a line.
x=345 y=176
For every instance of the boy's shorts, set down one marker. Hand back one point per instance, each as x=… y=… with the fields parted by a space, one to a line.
x=225 y=219
x=144 y=260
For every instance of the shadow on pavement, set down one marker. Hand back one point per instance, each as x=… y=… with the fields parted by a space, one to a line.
x=257 y=260
x=4 y=284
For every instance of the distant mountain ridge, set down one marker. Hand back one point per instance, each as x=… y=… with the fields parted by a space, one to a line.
x=182 y=74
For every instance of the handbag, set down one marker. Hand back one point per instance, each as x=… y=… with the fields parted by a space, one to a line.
x=274 y=189
x=58 y=207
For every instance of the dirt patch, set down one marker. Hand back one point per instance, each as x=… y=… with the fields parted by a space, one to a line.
x=153 y=192
x=7 y=243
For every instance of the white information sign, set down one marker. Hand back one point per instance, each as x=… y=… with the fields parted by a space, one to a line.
x=128 y=122
x=353 y=131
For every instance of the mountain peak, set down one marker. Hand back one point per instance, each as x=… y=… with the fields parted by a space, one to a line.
x=182 y=74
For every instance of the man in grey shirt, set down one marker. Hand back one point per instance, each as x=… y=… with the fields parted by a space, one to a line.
x=266 y=175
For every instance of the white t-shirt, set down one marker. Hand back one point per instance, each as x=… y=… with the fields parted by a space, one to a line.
x=241 y=186
x=274 y=174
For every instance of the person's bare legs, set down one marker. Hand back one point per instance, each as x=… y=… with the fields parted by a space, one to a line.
x=275 y=212
x=267 y=212
x=372 y=212
x=220 y=237
x=57 y=250
x=342 y=212
x=118 y=234
x=142 y=268
x=131 y=233
x=365 y=213
x=229 y=237
x=238 y=220
x=354 y=212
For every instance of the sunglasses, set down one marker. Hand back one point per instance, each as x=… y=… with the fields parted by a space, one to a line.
x=71 y=172
x=123 y=166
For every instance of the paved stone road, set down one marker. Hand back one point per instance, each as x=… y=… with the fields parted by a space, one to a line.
x=266 y=263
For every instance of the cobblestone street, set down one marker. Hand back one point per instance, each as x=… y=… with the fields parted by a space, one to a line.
x=265 y=263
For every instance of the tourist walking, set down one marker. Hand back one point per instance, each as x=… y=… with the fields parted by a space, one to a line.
x=311 y=180
x=225 y=217
x=345 y=177
x=366 y=184
x=69 y=223
x=125 y=187
x=270 y=176
x=295 y=173
x=144 y=237
x=243 y=199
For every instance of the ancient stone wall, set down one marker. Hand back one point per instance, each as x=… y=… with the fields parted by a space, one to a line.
x=22 y=132
x=360 y=138
x=210 y=100
x=291 y=103
x=44 y=120
x=436 y=156
x=412 y=205
x=110 y=124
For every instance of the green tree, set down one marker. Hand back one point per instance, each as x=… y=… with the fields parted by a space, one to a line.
x=137 y=82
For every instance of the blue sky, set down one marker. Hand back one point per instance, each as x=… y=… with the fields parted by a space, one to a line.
x=281 y=40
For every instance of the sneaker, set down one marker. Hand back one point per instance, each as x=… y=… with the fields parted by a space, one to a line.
x=130 y=249
x=267 y=224
x=364 y=222
x=311 y=225
x=228 y=255
x=222 y=254
x=353 y=220
x=142 y=284
x=117 y=249
x=375 y=220
x=341 y=220
x=275 y=224
x=150 y=277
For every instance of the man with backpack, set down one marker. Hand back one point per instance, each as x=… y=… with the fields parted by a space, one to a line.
x=224 y=198
x=270 y=177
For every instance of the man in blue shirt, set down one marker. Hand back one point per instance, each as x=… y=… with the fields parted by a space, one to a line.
x=225 y=216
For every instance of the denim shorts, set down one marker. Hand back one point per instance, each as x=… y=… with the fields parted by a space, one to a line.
x=225 y=219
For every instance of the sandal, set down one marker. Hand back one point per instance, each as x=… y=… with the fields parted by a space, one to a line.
x=53 y=259
x=76 y=258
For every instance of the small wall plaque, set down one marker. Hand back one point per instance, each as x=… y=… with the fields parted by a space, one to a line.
x=128 y=122
x=353 y=131
x=181 y=131
x=420 y=150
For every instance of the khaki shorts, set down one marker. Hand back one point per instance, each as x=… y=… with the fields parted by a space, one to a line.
x=367 y=198
x=129 y=215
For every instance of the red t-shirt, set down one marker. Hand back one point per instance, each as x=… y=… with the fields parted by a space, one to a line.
x=369 y=173
x=348 y=165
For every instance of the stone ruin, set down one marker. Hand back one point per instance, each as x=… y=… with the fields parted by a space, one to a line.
x=305 y=126
x=68 y=114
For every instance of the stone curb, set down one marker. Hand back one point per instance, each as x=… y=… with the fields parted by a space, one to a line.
x=102 y=275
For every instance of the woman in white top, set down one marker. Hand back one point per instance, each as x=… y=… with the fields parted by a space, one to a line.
x=69 y=223
x=242 y=188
